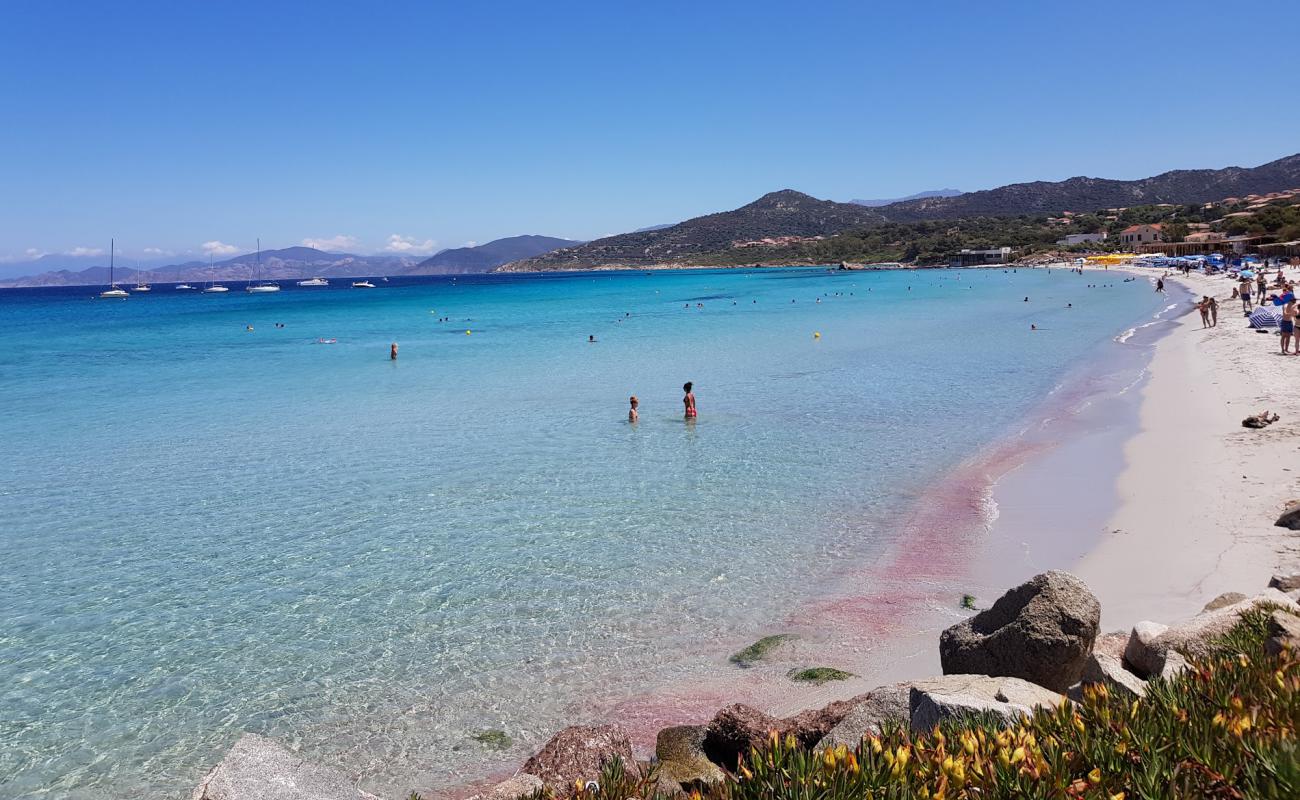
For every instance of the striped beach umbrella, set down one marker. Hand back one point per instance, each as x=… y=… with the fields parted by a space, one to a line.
x=1265 y=317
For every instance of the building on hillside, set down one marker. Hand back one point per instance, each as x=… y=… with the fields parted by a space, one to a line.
x=1080 y=238
x=1231 y=244
x=1205 y=236
x=975 y=258
x=1140 y=234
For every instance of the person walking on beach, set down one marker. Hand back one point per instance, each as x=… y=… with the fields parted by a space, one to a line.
x=1287 y=325
x=1244 y=289
x=1261 y=286
x=632 y=414
x=1214 y=312
x=689 y=400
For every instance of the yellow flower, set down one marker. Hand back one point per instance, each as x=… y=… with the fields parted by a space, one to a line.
x=1121 y=748
x=745 y=773
x=1117 y=796
x=875 y=745
x=1018 y=755
x=1094 y=777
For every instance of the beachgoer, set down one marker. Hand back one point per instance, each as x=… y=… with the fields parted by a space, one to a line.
x=1214 y=312
x=1204 y=308
x=1261 y=286
x=632 y=415
x=591 y=337
x=1243 y=288
x=392 y=352
x=689 y=400
x=1287 y=325
x=1160 y=285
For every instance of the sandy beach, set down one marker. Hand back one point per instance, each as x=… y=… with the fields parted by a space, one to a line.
x=1198 y=492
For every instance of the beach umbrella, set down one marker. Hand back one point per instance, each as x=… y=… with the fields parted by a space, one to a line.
x=1248 y=273
x=1264 y=317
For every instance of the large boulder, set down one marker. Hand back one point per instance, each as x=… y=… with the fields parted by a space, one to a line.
x=811 y=726
x=577 y=754
x=1283 y=633
x=1041 y=631
x=734 y=731
x=257 y=768
x=959 y=696
x=1109 y=670
x=1151 y=645
x=1290 y=519
x=866 y=718
x=682 y=762
x=1285 y=583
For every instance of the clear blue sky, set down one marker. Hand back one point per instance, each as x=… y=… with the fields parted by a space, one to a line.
x=171 y=124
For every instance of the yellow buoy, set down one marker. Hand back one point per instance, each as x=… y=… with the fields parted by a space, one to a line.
x=817 y=334
x=467 y=332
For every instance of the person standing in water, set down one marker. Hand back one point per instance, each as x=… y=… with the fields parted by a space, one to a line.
x=392 y=352
x=689 y=400
x=632 y=414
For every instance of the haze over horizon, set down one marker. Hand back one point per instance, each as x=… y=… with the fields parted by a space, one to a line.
x=407 y=129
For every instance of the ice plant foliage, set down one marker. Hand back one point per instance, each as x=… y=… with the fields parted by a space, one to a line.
x=1226 y=728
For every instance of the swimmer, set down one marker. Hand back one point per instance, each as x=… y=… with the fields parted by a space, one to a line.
x=592 y=338
x=689 y=400
x=632 y=414
x=1033 y=327
x=249 y=328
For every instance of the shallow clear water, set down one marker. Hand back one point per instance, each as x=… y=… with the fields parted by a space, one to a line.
x=205 y=530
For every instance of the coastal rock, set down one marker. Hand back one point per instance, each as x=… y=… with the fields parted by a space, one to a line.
x=1290 y=519
x=578 y=753
x=1224 y=600
x=1173 y=665
x=1111 y=644
x=1148 y=653
x=811 y=726
x=954 y=696
x=735 y=730
x=519 y=786
x=1285 y=583
x=1041 y=631
x=877 y=707
x=1140 y=652
x=1283 y=633
x=682 y=761
x=1108 y=670
x=257 y=768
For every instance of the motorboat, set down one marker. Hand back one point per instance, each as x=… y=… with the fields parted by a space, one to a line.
x=314 y=282
x=362 y=285
x=184 y=287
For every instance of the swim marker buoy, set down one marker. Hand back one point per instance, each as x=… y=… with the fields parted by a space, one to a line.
x=817 y=334
x=467 y=331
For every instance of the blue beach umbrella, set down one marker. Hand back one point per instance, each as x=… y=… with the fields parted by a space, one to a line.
x=1264 y=317
x=1248 y=273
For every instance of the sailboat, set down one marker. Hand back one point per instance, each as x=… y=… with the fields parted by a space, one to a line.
x=112 y=290
x=213 y=287
x=262 y=287
x=140 y=286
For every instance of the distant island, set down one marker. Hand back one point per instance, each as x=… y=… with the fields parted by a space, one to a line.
x=295 y=263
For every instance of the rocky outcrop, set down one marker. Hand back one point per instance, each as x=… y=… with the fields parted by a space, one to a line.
x=1041 y=631
x=1151 y=644
x=578 y=753
x=1224 y=600
x=955 y=696
x=521 y=785
x=811 y=726
x=1283 y=633
x=1108 y=670
x=682 y=761
x=879 y=706
x=257 y=768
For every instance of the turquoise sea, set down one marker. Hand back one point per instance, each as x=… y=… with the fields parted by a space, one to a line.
x=206 y=530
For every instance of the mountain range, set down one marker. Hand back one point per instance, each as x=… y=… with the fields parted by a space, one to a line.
x=295 y=263
x=917 y=196
x=486 y=257
x=788 y=213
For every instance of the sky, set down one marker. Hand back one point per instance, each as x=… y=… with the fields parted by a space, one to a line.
x=186 y=127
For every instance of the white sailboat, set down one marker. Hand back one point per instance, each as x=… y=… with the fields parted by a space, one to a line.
x=263 y=287
x=140 y=286
x=112 y=290
x=213 y=287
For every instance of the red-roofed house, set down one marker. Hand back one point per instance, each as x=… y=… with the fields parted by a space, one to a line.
x=1140 y=234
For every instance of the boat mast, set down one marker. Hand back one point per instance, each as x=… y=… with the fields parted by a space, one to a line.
x=112 y=245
